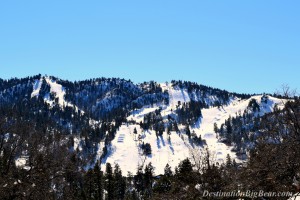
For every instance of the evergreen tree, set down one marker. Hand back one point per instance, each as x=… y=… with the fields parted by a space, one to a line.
x=146 y=149
x=228 y=131
x=98 y=182
x=89 y=186
x=109 y=182
x=139 y=180
x=164 y=184
x=119 y=183
x=234 y=164
x=148 y=179
x=135 y=132
x=215 y=127
x=228 y=161
x=168 y=171
x=185 y=166
x=188 y=131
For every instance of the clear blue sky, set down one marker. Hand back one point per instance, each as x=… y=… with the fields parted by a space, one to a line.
x=243 y=46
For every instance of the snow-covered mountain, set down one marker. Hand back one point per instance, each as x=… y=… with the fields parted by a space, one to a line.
x=115 y=120
x=171 y=149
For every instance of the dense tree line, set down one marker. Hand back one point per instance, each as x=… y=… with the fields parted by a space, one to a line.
x=190 y=112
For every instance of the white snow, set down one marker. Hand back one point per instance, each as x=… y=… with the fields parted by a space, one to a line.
x=205 y=126
x=126 y=152
x=175 y=95
x=125 y=149
x=178 y=95
x=59 y=92
x=77 y=144
x=21 y=163
x=36 y=87
x=138 y=115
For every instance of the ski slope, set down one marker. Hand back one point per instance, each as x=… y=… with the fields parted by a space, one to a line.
x=125 y=148
x=58 y=90
x=36 y=87
x=55 y=88
x=205 y=126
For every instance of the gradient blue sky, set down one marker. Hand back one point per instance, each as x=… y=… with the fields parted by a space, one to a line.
x=243 y=46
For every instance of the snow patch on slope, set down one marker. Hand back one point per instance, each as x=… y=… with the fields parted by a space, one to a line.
x=77 y=144
x=36 y=87
x=125 y=150
x=176 y=95
x=205 y=126
x=21 y=163
x=59 y=92
x=138 y=115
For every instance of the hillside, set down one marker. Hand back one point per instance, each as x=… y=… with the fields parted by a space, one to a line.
x=108 y=110
x=111 y=137
x=172 y=148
